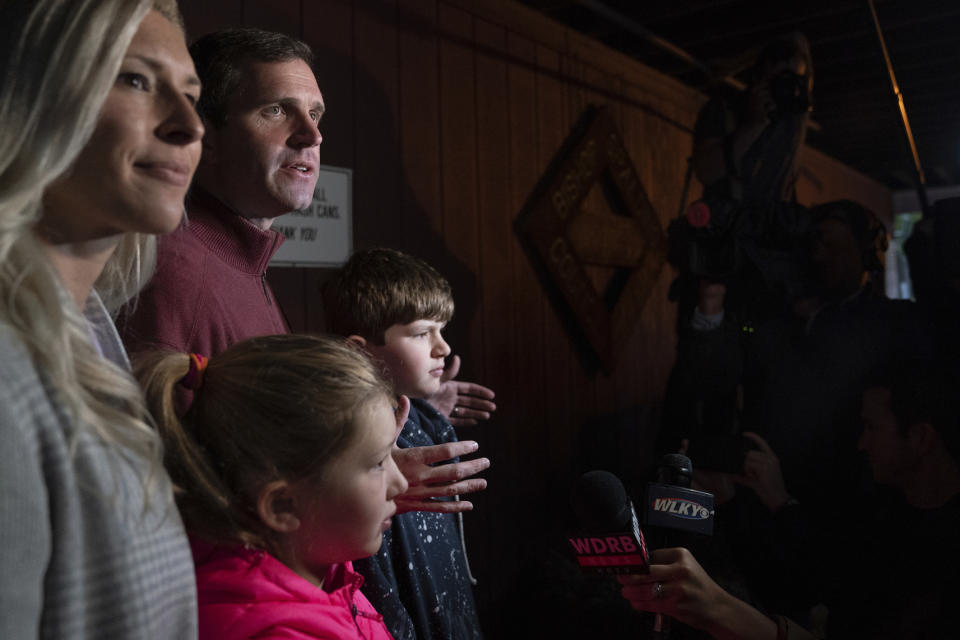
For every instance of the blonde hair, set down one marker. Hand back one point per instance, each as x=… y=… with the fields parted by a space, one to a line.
x=268 y=408
x=378 y=288
x=58 y=61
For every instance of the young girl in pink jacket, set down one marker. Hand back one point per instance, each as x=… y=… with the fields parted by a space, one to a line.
x=284 y=470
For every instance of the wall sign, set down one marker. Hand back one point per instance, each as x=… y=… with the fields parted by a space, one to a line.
x=322 y=234
x=593 y=235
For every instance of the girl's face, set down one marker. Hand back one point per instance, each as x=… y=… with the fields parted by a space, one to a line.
x=344 y=515
x=135 y=170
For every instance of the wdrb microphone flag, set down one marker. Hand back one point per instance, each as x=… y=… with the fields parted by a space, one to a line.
x=611 y=541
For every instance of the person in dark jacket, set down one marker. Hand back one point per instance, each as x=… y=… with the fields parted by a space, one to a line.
x=396 y=307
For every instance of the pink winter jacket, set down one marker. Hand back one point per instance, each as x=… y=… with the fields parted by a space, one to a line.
x=247 y=593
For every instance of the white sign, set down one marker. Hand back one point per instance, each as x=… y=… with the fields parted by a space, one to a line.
x=322 y=234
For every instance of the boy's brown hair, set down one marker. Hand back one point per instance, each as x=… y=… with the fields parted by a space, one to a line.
x=379 y=288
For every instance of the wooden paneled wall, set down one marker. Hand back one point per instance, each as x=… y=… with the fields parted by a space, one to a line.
x=448 y=112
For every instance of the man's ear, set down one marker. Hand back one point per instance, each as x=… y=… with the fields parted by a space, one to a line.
x=923 y=438
x=277 y=508
x=360 y=341
x=208 y=145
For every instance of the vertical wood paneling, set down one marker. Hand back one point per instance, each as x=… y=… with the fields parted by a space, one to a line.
x=496 y=239
x=524 y=416
x=520 y=458
x=419 y=124
x=284 y=17
x=376 y=178
x=596 y=90
x=553 y=125
x=458 y=150
x=207 y=16
x=328 y=29
x=637 y=372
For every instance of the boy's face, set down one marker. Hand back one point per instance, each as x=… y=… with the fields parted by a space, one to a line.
x=413 y=356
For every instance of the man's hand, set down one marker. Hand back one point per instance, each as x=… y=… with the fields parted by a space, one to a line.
x=720 y=484
x=463 y=403
x=761 y=472
x=442 y=481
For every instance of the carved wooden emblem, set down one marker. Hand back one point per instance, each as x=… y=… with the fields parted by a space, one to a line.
x=592 y=233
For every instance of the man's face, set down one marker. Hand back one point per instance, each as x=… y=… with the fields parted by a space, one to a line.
x=837 y=259
x=263 y=161
x=888 y=452
x=413 y=356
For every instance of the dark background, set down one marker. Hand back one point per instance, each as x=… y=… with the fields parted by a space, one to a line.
x=854 y=103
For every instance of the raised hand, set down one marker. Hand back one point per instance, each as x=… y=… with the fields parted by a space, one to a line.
x=442 y=481
x=463 y=403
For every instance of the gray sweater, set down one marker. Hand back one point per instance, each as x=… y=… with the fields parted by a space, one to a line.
x=79 y=556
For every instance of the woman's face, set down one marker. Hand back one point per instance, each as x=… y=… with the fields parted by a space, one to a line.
x=135 y=171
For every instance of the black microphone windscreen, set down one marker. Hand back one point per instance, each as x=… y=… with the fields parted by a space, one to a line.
x=600 y=502
x=676 y=469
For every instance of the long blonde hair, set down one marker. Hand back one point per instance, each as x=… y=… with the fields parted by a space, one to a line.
x=58 y=61
x=268 y=408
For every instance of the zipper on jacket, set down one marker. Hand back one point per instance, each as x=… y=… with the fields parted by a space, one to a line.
x=266 y=292
x=356 y=612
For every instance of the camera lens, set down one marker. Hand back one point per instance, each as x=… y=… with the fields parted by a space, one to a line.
x=789 y=93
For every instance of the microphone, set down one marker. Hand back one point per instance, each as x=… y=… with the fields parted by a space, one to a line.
x=672 y=504
x=612 y=541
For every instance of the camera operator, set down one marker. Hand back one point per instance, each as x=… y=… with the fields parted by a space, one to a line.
x=745 y=147
x=747 y=226
x=796 y=379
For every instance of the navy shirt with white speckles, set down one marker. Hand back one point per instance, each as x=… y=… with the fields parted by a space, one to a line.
x=419 y=580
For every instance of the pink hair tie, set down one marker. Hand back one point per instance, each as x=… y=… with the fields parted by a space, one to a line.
x=194 y=377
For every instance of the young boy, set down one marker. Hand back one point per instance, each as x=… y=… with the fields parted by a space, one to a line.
x=396 y=307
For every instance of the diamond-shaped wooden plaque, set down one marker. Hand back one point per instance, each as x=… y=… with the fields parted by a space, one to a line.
x=592 y=233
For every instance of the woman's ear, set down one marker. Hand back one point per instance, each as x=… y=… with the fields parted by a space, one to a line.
x=277 y=508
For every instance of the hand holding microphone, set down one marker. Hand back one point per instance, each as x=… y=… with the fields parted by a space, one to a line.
x=678 y=587
x=612 y=541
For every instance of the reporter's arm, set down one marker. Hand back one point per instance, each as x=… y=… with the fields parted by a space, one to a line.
x=689 y=595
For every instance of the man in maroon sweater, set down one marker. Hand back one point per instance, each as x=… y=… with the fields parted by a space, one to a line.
x=261 y=107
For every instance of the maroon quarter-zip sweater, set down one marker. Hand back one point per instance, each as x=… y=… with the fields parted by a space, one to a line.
x=210 y=289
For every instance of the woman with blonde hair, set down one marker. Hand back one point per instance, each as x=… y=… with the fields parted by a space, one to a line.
x=100 y=140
